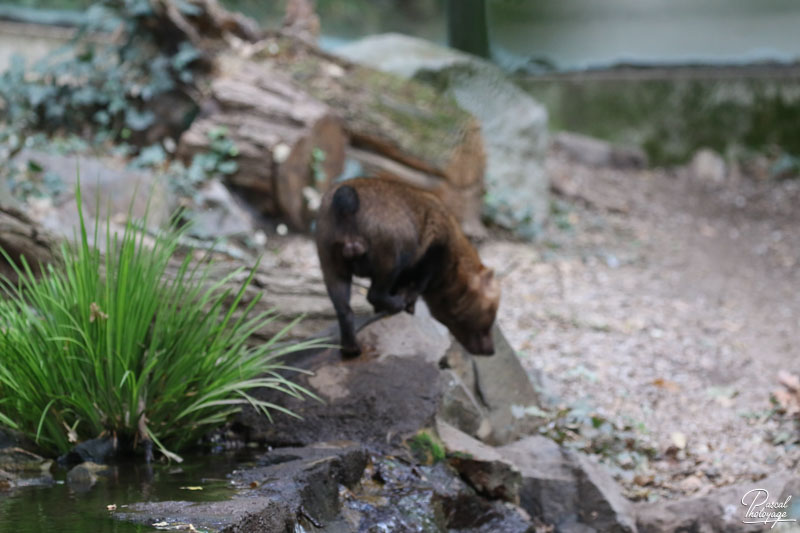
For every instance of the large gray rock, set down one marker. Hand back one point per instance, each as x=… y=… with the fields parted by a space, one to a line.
x=567 y=489
x=492 y=394
x=513 y=124
x=481 y=465
x=556 y=486
x=411 y=373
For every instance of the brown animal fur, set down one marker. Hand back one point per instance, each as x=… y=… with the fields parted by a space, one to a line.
x=408 y=244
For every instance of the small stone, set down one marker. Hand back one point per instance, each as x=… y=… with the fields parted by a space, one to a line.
x=84 y=476
x=708 y=166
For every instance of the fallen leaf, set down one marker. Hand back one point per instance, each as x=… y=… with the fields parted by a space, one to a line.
x=666 y=384
x=254 y=484
x=790 y=381
x=788 y=402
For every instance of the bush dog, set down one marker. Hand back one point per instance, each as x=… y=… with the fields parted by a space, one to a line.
x=409 y=245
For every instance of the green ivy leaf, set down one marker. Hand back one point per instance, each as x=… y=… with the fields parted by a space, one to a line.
x=139 y=120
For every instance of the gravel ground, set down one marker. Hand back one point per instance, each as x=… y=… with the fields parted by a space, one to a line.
x=668 y=305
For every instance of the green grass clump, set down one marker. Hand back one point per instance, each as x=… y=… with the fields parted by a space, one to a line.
x=107 y=344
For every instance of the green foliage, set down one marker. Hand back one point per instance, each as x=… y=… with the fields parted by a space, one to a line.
x=624 y=445
x=110 y=344
x=672 y=118
x=96 y=85
x=219 y=158
x=318 y=157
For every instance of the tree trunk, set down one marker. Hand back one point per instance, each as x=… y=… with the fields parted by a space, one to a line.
x=289 y=107
x=467 y=27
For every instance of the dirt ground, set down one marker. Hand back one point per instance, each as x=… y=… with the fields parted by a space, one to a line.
x=669 y=305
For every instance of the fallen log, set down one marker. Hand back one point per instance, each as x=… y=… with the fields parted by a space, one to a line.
x=287 y=141
x=291 y=107
x=21 y=237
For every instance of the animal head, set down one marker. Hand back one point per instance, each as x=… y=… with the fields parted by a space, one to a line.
x=471 y=319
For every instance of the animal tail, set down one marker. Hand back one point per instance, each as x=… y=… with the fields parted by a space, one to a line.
x=345 y=204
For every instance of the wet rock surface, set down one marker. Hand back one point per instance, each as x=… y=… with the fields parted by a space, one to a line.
x=338 y=487
x=22 y=468
x=283 y=487
x=92 y=451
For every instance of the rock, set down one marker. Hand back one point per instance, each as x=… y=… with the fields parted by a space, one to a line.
x=13 y=459
x=83 y=476
x=501 y=387
x=481 y=465
x=394 y=496
x=90 y=451
x=595 y=152
x=108 y=190
x=566 y=489
x=7 y=480
x=411 y=372
x=390 y=391
x=255 y=514
x=21 y=468
x=218 y=214
x=601 y=503
x=460 y=408
x=513 y=124
x=336 y=487
x=553 y=485
x=288 y=486
x=707 y=166
x=722 y=509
